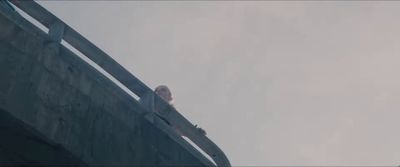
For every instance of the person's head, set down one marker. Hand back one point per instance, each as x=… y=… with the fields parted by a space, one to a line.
x=164 y=92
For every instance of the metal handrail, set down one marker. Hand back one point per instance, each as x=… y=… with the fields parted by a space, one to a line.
x=59 y=30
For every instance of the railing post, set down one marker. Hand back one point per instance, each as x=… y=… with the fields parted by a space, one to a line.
x=7 y=5
x=56 y=31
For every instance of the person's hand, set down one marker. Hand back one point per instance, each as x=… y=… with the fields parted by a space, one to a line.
x=202 y=131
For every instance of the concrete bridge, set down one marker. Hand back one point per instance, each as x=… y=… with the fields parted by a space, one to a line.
x=57 y=109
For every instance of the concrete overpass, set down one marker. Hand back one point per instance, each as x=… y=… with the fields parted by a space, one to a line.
x=58 y=109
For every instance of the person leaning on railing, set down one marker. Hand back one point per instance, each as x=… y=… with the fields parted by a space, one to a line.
x=153 y=105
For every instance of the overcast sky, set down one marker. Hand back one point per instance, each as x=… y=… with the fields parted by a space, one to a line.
x=272 y=83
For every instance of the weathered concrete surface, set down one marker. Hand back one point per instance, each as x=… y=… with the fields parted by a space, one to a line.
x=18 y=141
x=51 y=90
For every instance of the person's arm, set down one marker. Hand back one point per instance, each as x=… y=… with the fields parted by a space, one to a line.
x=147 y=101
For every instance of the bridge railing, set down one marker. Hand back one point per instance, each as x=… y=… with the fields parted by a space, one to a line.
x=58 y=30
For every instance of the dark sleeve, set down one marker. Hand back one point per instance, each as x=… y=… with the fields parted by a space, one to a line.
x=147 y=101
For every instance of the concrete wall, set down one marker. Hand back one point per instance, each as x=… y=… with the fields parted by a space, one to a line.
x=22 y=145
x=50 y=89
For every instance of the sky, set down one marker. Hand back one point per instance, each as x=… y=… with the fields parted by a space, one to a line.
x=272 y=82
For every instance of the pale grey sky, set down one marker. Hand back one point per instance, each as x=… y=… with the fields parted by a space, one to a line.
x=273 y=83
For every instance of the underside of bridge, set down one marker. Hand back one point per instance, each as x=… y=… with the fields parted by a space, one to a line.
x=20 y=144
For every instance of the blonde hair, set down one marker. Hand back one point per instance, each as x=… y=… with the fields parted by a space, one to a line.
x=160 y=88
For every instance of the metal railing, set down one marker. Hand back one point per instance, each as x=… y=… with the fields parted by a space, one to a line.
x=58 y=31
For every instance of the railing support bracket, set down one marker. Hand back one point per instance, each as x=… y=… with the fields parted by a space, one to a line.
x=56 y=31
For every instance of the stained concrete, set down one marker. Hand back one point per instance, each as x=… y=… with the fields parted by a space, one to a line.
x=80 y=112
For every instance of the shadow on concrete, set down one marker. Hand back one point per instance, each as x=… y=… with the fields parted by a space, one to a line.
x=22 y=145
